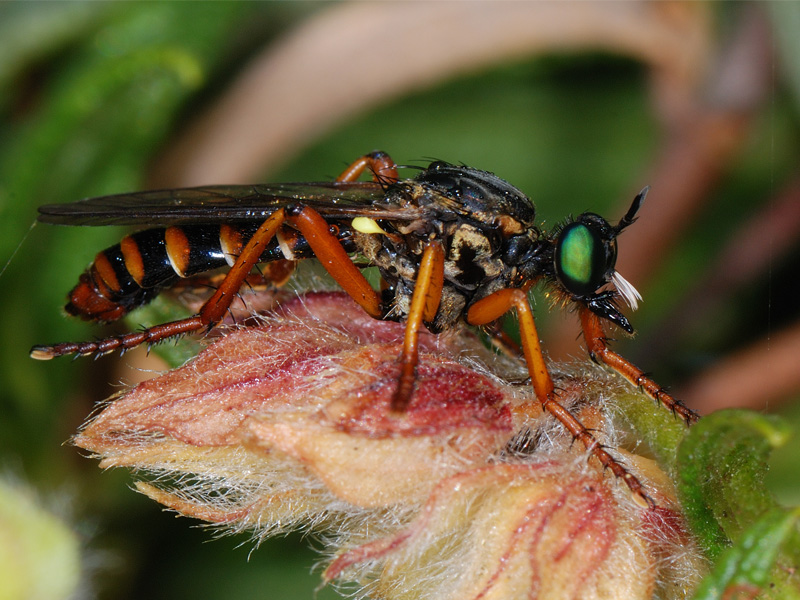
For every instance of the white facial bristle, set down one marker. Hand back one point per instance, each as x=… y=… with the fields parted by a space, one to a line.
x=625 y=288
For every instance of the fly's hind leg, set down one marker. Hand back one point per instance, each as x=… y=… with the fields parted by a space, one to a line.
x=497 y=304
x=427 y=288
x=599 y=351
x=212 y=311
x=324 y=244
x=258 y=294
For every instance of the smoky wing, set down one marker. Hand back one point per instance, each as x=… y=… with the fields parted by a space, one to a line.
x=226 y=203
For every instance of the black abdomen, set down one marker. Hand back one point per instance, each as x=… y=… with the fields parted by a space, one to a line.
x=133 y=272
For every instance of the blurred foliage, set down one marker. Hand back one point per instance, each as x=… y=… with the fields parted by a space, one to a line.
x=722 y=465
x=755 y=543
x=91 y=92
x=748 y=566
x=39 y=553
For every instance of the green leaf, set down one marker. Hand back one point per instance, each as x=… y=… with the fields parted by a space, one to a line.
x=721 y=468
x=99 y=114
x=785 y=20
x=747 y=567
x=661 y=430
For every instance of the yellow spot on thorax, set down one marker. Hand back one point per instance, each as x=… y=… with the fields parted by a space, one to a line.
x=366 y=225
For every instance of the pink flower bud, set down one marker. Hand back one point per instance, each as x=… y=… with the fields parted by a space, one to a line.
x=471 y=493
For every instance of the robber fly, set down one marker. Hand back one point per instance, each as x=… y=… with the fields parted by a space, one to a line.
x=452 y=244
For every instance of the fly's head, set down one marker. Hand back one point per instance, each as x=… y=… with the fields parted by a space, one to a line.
x=584 y=262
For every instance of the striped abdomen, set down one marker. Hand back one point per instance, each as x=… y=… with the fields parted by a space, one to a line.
x=142 y=265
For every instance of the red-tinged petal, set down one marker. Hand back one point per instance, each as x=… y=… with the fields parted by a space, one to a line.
x=371 y=457
x=546 y=530
x=300 y=408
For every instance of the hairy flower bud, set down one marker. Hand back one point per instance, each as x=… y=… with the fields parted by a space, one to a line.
x=471 y=493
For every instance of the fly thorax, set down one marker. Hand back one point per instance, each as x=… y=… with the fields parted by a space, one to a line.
x=472 y=257
x=527 y=257
x=395 y=260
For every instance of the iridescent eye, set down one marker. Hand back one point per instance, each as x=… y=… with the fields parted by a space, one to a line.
x=581 y=259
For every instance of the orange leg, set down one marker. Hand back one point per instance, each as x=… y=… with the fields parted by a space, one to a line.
x=214 y=308
x=599 y=351
x=379 y=163
x=327 y=250
x=336 y=261
x=427 y=289
x=210 y=313
x=502 y=341
x=310 y=224
x=424 y=304
x=266 y=277
x=497 y=304
x=324 y=244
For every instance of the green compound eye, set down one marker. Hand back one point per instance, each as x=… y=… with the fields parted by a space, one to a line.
x=580 y=259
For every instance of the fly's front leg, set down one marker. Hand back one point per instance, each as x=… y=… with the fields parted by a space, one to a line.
x=599 y=351
x=209 y=315
x=493 y=307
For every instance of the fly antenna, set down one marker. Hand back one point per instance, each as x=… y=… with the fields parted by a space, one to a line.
x=630 y=216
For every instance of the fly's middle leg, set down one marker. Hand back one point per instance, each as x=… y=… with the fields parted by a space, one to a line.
x=424 y=305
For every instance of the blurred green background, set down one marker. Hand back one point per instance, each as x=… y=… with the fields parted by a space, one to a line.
x=91 y=96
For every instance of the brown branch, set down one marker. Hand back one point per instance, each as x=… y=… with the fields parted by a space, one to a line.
x=758 y=377
x=748 y=254
x=353 y=56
